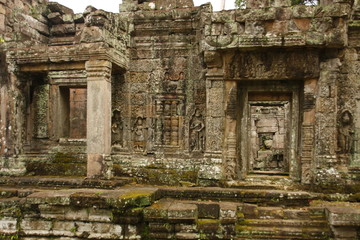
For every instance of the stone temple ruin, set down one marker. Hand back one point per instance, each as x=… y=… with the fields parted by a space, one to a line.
x=259 y=105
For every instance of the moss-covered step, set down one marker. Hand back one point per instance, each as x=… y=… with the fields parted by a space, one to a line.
x=261 y=197
x=65 y=182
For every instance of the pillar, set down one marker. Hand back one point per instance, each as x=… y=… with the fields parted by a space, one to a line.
x=308 y=130
x=98 y=116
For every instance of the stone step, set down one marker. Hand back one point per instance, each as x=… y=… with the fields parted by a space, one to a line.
x=270 y=212
x=8 y=192
x=265 y=181
x=170 y=210
x=280 y=223
x=56 y=169
x=54 y=158
x=296 y=214
x=276 y=237
x=56 y=164
x=259 y=197
x=290 y=213
x=252 y=211
x=191 y=211
x=64 y=182
x=282 y=232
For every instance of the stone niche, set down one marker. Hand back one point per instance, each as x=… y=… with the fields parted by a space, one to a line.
x=268 y=127
x=268 y=131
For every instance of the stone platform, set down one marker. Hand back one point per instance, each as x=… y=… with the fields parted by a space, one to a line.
x=75 y=210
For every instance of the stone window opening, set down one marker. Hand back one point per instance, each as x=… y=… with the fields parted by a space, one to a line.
x=72 y=112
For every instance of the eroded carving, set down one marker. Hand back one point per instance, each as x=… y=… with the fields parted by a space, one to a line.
x=345 y=132
x=117 y=128
x=139 y=134
x=41 y=101
x=268 y=131
x=173 y=84
x=197 y=132
x=168 y=117
x=230 y=162
x=270 y=65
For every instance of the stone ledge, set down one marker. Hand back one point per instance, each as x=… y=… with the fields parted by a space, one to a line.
x=343 y=216
x=65 y=182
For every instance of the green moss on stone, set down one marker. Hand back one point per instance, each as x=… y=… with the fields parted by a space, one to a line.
x=64 y=158
x=137 y=198
x=170 y=177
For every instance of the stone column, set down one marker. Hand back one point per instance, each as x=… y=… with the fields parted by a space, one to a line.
x=98 y=116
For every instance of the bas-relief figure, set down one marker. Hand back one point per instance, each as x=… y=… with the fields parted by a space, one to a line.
x=139 y=134
x=173 y=84
x=345 y=132
x=117 y=128
x=197 y=132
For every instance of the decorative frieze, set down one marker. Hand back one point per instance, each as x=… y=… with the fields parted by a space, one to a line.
x=274 y=65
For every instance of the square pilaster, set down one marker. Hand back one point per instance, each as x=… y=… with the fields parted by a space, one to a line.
x=98 y=116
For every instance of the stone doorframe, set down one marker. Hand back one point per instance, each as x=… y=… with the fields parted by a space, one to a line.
x=225 y=78
x=232 y=146
x=242 y=129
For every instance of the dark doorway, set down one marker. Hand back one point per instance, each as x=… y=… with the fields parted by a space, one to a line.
x=77 y=114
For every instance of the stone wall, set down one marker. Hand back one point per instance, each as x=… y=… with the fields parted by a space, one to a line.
x=173 y=213
x=168 y=89
x=162 y=96
x=22 y=23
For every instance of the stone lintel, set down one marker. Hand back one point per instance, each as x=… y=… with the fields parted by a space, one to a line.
x=42 y=57
x=43 y=67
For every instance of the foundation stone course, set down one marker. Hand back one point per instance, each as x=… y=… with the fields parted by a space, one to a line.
x=262 y=100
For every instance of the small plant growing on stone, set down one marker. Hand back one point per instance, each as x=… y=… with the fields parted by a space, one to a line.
x=304 y=2
x=242 y=3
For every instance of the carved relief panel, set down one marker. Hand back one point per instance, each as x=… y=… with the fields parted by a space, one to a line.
x=345 y=132
x=168 y=101
x=117 y=128
x=168 y=120
x=268 y=128
x=139 y=133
